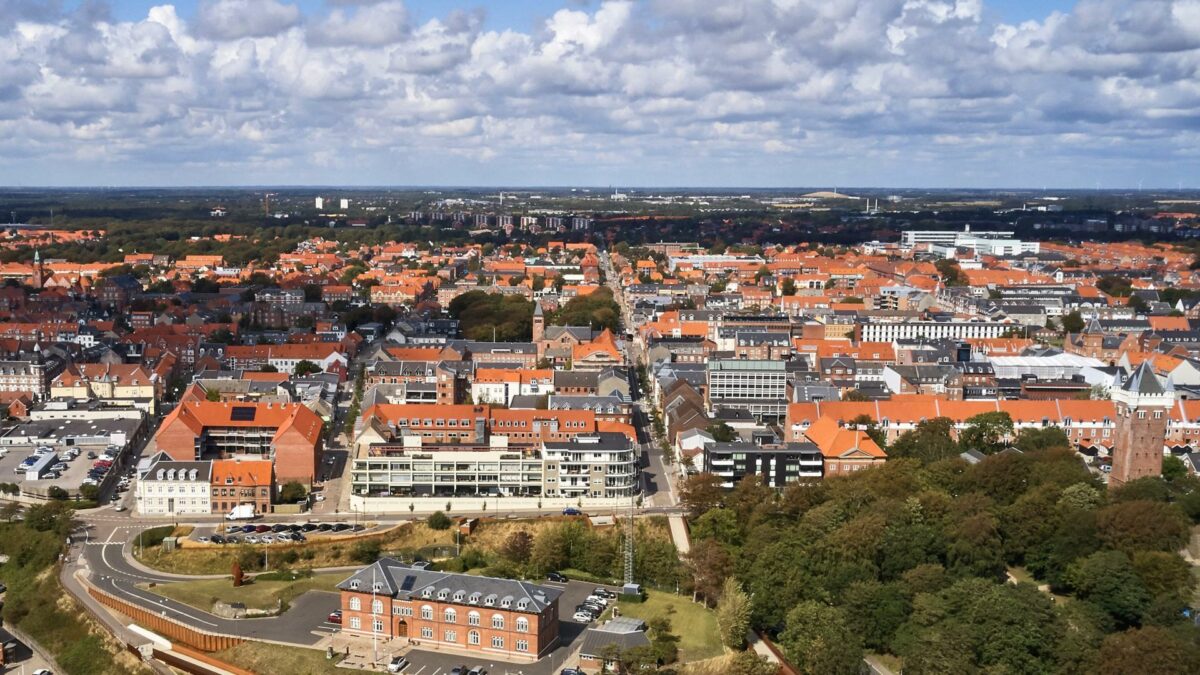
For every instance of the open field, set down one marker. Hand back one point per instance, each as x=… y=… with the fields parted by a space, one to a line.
x=216 y=559
x=202 y=593
x=262 y=657
x=695 y=625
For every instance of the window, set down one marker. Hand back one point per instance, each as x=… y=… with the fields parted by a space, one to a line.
x=355 y=622
x=355 y=604
x=427 y=613
x=451 y=615
x=473 y=619
x=522 y=645
x=498 y=621
x=427 y=633
x=451 y=636
x=473 y=637
x=498 y=642
x=522 y=625
x=377 y=625
x=377 y=607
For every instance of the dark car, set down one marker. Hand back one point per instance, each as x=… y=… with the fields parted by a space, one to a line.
x=247 y=529
x=294 y=528
x=570 y=671
x=324 y=527
x=335 y=617
x=459 y=670
x=262 y=529
x=217 y=539
x=233 y=539
x=604 y=593
x=572 y=511
x=279 y=528
x=341 y=527
x=359 y=527
x=308 y=527
x=556 y=577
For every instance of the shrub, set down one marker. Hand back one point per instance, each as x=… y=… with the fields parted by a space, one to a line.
x=439 y=521
x=366 y=552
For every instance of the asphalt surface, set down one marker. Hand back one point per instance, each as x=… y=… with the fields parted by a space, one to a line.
x=105 y=550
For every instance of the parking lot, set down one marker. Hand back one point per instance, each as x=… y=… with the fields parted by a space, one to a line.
x=311 y=531
x=72 y=476
x=434 y=662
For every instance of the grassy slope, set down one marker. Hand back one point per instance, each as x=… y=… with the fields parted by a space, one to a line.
x=201 y=593
x=695 y=625
x=261 y=657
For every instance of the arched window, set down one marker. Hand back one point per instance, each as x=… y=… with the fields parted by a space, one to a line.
x=498 y=621
x=473 y=637
x=451 y=615
x=377 y=607
x=427 y=612
x=355 y=604
x=522 y=625
x=473 y=618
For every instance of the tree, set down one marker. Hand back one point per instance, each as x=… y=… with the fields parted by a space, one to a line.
x=720 y=524
x=867 y=423
x=1163 y=573
x=292 y=492
x=1173 y=468
x=1107 y=579
x=733 y=614
x=89 y=492
x=709 y=564
x=1143 y=526
x=788 y=287
x=929 y=442
x=518 y=547
x=701 y=492
x=305 y=367
x=880 y=610
x=56 y=493
x=1032 y=439
x=722 y=432
x=750 y=663
x=856 y=395
x=213 y=395
x=1147 y=651
x=268 y=368
x=1073 y=322
x=952 y=274
x=438 y=521
x=9 y=511
x=986 y=432
x=819 y=640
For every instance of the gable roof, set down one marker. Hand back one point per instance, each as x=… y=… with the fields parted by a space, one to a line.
x=406 y=583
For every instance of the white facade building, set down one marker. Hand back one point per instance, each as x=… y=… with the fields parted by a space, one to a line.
x=171 y=488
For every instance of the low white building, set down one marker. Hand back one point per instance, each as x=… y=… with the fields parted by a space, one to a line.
x=170 y=488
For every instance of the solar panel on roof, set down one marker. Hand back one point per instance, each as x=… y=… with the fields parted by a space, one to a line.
x=243 y=414
x=409 y=582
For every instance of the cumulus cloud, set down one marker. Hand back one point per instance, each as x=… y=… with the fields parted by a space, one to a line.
x=234 y=19
x=776 y=92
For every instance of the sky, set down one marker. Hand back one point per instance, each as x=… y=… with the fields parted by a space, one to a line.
x=645 y=93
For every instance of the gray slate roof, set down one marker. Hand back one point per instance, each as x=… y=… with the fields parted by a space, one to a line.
x=401 y=581
x=1145 y=381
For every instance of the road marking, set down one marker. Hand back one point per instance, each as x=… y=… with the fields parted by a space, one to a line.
x=159 y=605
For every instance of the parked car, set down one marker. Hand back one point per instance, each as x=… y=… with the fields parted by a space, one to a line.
x=278 y=527
x=599 y=600
x=397 y=664
x=570 y=671
x=556 y=577
x=233 y=539
x=459 y=670
x=202 y=539
x=583 y=617
x=92 y=455
x=267 y=539
x=477 y=670
x=251 y=539
x=217 y=539
x=247 y=529
x=572 y=511
x=262 y=528
x=604 y=593
x=335 y=617
x=341 y=527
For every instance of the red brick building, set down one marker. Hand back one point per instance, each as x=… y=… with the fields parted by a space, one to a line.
x=236 y=482
x=496 y=617
x=287 y=434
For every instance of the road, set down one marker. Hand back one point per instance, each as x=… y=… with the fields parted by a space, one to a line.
x=104 y=553
x=658 y=485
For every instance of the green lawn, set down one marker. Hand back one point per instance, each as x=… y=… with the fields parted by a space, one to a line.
x=202 y=593
x=262 y=657
x=695 y=625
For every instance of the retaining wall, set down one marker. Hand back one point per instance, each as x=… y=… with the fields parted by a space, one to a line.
x=167 y=627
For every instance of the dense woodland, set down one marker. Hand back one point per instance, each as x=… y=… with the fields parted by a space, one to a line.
x=914 y=559
x=508 y=318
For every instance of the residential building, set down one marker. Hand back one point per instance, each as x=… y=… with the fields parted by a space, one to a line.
x=170 y=488
x=241 y=482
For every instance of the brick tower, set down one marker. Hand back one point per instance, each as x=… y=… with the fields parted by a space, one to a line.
x=1143 y=404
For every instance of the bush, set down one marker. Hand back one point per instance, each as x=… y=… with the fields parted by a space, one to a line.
x=439 y=521
x=249 y=559
x=56 y=493
x=89 y=492
x=366 y=552
x=155 y=535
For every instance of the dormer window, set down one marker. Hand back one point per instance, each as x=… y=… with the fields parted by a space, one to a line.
x=489 y=600
x=427 y=593
x=474 y=599
x=506 y=603
x=377 y=586
x=458 y=596
x=442 y=594
x=354 y=584
x=522 y=604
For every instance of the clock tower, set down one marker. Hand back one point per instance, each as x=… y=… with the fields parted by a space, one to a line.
x=1143 y=404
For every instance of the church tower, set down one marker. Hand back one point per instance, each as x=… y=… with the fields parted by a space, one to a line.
x=39 y=276
x=1143 y=404
x=539 y=322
